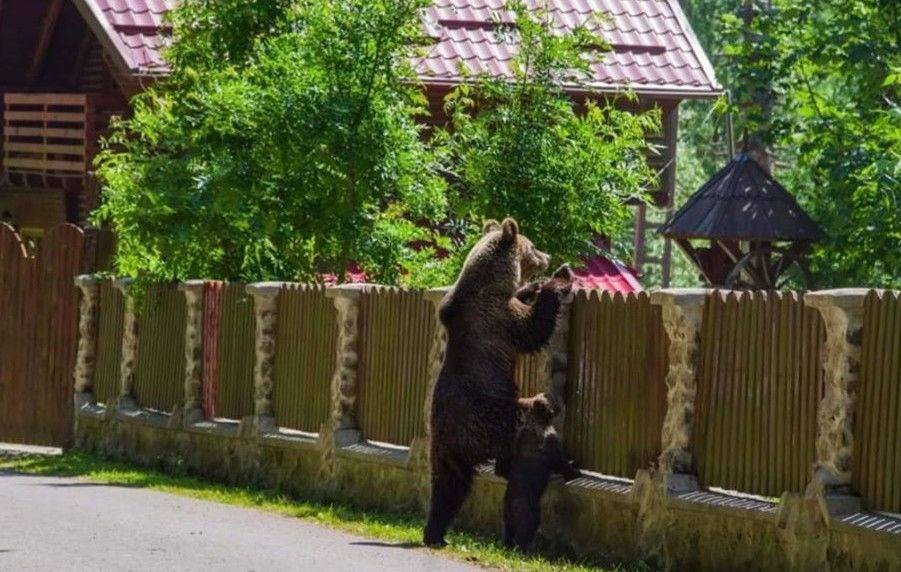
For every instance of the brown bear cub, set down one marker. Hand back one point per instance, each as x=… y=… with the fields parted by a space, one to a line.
x=537 y=452
x=474 y=404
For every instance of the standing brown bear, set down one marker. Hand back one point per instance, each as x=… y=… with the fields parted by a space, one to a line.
x=537 y=452
x=474 y=405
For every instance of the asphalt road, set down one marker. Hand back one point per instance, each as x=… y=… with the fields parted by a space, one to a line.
x=58 y=524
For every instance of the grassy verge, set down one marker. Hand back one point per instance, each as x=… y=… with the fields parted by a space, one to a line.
x=399 y=528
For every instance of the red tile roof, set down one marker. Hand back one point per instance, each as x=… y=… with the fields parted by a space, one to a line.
x=654 y=48
x=133 y=27
x=601 y=273
x=596 y=273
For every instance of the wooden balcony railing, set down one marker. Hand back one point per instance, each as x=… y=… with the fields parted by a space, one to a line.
x=49 y=135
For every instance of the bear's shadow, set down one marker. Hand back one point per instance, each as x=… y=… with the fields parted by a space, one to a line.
x=406 y=545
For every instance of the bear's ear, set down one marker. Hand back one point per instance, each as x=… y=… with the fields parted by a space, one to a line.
x=491 y=225
x=509 y=228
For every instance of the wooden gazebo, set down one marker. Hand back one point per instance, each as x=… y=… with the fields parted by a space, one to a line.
x=755 y=234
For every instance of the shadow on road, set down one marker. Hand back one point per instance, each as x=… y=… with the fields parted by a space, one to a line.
x=405 y=545
x=85 y=484
x=68 y=484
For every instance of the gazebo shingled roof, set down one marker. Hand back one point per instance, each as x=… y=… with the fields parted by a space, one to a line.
x=742 y=202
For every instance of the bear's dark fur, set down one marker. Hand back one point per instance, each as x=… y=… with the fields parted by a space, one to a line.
x=537 y=451
x=474 y=404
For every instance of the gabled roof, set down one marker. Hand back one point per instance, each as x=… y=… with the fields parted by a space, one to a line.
x=655 y=52
x=742 y=202
x=132 y=31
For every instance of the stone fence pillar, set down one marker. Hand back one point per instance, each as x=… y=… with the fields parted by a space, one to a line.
x=86 y=358
x=842 y=312
x=129 y=347
x=265 y=305
x=436 y=355
x=345 y=427
x=682 y=313
x=193 y=290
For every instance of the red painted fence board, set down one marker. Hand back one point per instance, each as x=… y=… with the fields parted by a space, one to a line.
x=212 y=296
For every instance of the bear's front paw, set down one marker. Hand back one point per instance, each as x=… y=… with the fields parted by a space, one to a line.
x=572 y=472
x=527 y=294
x=572 y=475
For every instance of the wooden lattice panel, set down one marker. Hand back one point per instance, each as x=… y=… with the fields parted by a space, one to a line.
x=45 y=134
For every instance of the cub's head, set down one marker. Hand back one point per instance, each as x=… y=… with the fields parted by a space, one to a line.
x=539 y=410
x=503 y=254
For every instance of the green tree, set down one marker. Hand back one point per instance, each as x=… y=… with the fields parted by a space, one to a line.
x=818 y=83
x=210 y=33
x=283 y=145
x=838 y=64
x=522 y=147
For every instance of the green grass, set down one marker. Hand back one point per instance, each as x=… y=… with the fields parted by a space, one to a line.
x=398 y=528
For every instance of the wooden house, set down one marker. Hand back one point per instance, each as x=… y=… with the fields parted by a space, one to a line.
x=66 y=66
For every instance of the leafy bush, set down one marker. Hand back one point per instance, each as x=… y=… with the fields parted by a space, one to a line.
x=285 y=145
x=278 y=158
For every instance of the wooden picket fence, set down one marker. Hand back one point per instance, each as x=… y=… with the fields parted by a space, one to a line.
x=397 y=331
x=38 y=334
x=228 y=351
x=759 y=372
x=759 y=384
x=877 y=430
x=160 y=368
x=305 y=351
x=616 y=390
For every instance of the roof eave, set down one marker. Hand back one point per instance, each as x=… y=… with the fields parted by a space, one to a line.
x=690 y=236
x=152 y=73
x=108 y=37
x=664 y=92
x=669 y=92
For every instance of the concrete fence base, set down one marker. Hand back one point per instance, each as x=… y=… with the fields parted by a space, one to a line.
x=660 y=519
